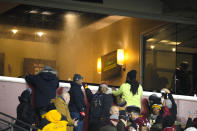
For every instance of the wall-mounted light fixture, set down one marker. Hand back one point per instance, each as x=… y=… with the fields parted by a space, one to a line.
x=99 y=65
x=120 y=56
x=40 y=34
x=14 y=31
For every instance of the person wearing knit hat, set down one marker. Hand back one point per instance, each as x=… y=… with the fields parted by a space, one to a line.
x=25 y=111
x=140 y=121
x=131 y=91
x=77 y=105
x=45 y=84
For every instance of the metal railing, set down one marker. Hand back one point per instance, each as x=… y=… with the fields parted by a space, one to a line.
x=11 y=124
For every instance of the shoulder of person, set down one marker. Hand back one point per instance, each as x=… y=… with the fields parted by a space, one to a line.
x=125 y=84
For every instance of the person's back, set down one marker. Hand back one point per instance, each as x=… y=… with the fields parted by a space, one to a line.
x=25 y=111
x=45 y=84
x=131 y=91
x=130 y=98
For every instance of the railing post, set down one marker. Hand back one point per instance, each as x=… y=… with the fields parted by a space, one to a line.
x=12 y=123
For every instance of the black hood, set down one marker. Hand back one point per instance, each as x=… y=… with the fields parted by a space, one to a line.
x=25 y=96
x=47 y=76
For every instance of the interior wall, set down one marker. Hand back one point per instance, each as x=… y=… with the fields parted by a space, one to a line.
x=16 y=50
x=123 y=34
x=79 y=48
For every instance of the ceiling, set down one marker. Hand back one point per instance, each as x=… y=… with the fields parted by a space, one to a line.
x=43 y=17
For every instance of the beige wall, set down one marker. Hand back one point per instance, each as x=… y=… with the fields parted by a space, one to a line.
x=79 y=48
x=16 y=50
x=122 y=34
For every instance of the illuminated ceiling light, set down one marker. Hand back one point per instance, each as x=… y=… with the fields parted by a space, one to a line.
x=120 y=56
x=152 y=47
x=173 y=49
x=174 y=43
x=33 y=11
x=40 y=34
x=71 y=15
x=151 y=40
x=164 y=41
x=46 y=13
x=14 y=31
x=99 y=65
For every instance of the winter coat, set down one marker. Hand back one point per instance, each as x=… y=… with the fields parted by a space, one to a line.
x=62 y=107
x=104 y=101
x=132 y=100
x=173 y=110
x=77 y=99
x=25 y=111
x=45 y=85
x=110 y=127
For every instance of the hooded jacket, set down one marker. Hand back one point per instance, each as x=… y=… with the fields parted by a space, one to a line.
x=62 y=108
x=77 y=99
x=55 y=122
x=25 y=111
x=45 y=85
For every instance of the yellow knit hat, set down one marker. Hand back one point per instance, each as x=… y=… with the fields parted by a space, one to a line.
x=156 y=106
x=53 y=116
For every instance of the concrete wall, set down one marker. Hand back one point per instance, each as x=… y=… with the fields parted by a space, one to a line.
x=9 y=92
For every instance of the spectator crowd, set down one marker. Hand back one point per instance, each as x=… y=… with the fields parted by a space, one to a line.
x=109 y=109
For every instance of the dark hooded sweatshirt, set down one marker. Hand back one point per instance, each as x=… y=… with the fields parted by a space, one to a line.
x=45 y=85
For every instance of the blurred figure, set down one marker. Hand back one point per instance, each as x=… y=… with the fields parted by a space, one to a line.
x=190 y=122
x=77 y=101
x=114 y=123
x=141 y=122
x=169 y=103
x=61 y=104
x=154 y=99
x=100 y=104
x=153 y=116
x=131 y=91
x=168 y=124
x=25 y=111
x=114 y=110
x=44 y=84
x=181 y=83
x=132 y=127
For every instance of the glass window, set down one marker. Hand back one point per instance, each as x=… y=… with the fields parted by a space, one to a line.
x=169 y=59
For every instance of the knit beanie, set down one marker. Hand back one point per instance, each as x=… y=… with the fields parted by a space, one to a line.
x=48 y=69
x=132 y=74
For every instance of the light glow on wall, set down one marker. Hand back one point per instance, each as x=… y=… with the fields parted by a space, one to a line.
x=14 y=31
x=40 y=34
x=99 y=65
x=120 y=56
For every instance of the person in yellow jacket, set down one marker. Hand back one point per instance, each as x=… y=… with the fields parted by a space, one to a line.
x=61 y=104
x=55 y=122
x=131 y=90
